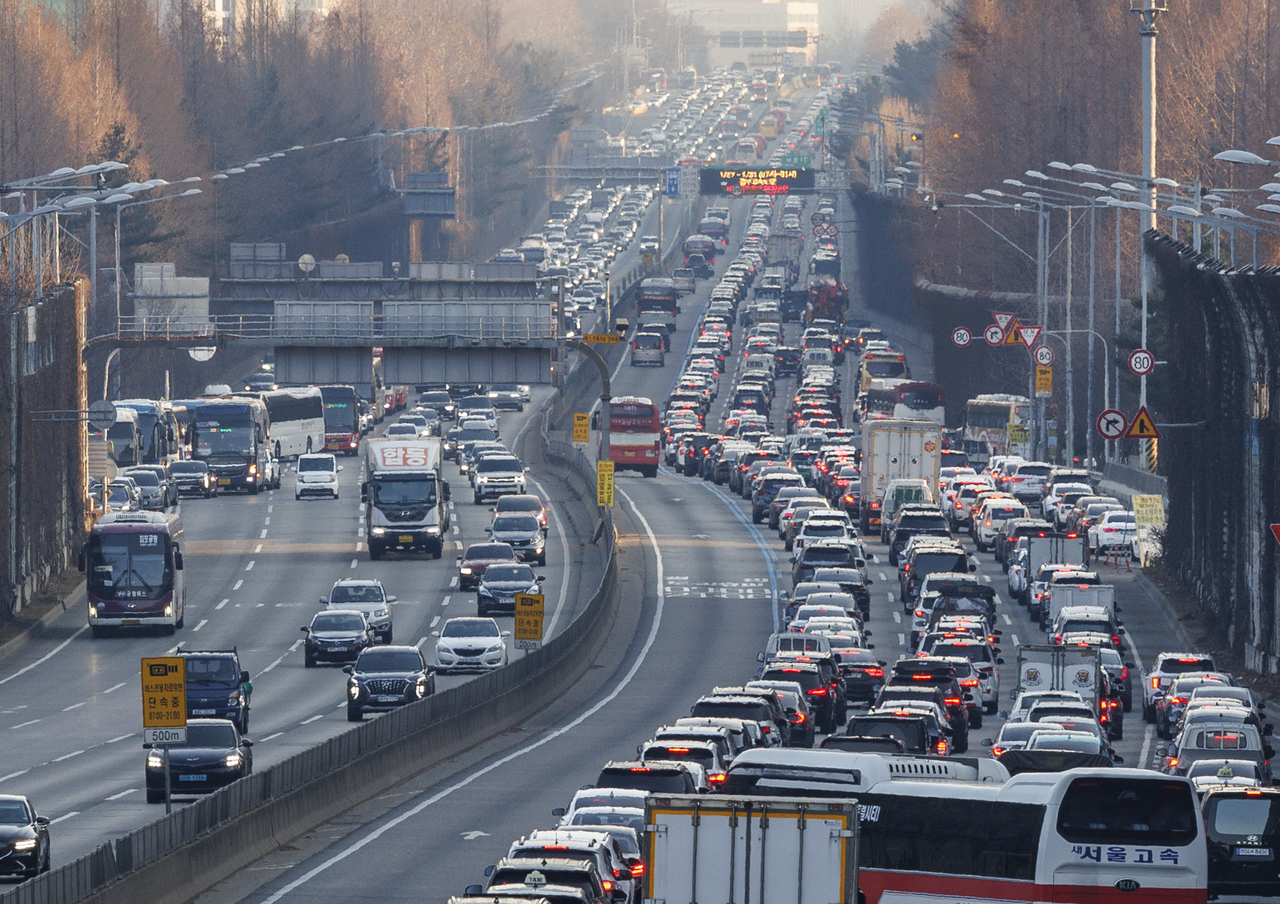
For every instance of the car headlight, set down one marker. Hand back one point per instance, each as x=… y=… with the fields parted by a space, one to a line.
x=25 y=844
x=538 y=550
x=495 y=648
x=233 y=698
x=378 y=531
x=233 y=760
x=381 y=612
x=422 y=687
x=353 y=689
x=155 y=760
x=484 y=591
x=433 y=530
x=93 y=611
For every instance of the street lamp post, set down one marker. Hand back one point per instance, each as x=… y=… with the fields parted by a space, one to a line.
x=119 y=207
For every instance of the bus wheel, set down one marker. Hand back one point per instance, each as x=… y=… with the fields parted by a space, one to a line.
x=181 y=620
x=170 y=630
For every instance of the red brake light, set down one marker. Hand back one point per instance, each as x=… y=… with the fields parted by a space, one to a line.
x=942 y=748
x=716 y=778
x=555 y=847
x=798 y=719
x=817 y=692
x=875 y=673
x=952 y=701
x=637 y=869
x=607 y=883
x=969 y=682
x=1155 y=681
x=996 y=751
x=678 y=749
x=1252 y=793
x=639 y=768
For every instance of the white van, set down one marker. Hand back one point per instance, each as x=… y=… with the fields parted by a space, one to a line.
x=647 y=348
x=317 y=475
x=822 y=357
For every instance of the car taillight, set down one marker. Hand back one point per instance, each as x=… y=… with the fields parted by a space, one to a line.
x=817 y=692
x=1155 y=682
x=942 y=747
x=1178 y=701
x=875 y=505
x=952 y=701
x=919 y=613
x=717 y=778
x=637 y=870
x=969 y=682
x=1124 y=674
x=1173 y=762
x=797 y=719
x=996 y=751
x=1115 y=639
x=639 y=768
x=607 y=883
x=874 y=673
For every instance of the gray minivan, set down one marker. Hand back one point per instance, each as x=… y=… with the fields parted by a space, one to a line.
x=648 y=348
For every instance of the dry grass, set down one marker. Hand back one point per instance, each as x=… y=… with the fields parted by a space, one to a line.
x=51 y=595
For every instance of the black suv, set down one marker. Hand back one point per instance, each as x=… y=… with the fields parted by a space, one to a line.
x=914 y=733
x=662 y=777
x=385 y=678
x=923 y=672
x=817 y=691
x=913 y=520
x=217 y=688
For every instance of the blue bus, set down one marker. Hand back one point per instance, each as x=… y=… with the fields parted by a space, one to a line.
x=232 y=436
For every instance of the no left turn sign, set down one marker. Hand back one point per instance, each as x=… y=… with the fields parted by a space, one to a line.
x=961 y=337
x=994 y=335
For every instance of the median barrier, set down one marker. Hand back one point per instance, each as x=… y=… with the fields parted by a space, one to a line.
x=175 y=858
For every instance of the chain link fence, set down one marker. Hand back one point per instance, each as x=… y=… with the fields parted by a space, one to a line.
x=1219 y=447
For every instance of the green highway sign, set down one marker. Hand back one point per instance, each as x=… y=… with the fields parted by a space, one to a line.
x=796 y=160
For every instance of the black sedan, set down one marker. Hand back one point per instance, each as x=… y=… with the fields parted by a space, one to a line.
x=385 y=678
x=500 y=584
x=24 y=838
x=337 y=635
x=214 y=755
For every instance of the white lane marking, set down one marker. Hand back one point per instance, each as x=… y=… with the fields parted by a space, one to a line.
x=114 y=687
x=889 y=595
x=249 y=567
x=270 y=737
x=435 y=621
x=266 y=520
x=280 y=659
x=46 y=657
x=514 y=755
x=883 y=576
x=445 y=601
x=53 y=822
x=238 y=585
x=269 y=508
x=66 y=756
x=1014 y=638
x=293 y=646
x=261 y=536
x=23 y=724
x=453 y=581
x=313 y=719
x=564 y=558
x=221 y=604
x=998 y=600
x=74 y=706
x=902 y=640
x=421 y=640
x=455 y=530
x=121 y=738
x=987 y=578
x=897 y=618
x=354 y=562
x=359 y=546
x=124 y=793
x=5 y=778
x=203 y=622
x=1007 y=619
x=1146 y=747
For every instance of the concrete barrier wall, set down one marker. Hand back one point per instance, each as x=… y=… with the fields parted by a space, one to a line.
x=174 y=858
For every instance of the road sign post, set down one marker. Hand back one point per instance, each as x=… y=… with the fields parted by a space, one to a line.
x=529 y=616
x=581 y=427
x=604 y=484
x=164 y=709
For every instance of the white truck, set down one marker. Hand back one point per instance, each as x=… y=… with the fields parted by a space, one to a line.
x=893 y=449
x=1102 y=596
x=1045 y=667
x=405 y=496
x=745 y=848
x=1032 y=552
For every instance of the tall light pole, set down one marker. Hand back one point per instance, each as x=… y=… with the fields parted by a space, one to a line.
x=119 y=207
x=1148 y=11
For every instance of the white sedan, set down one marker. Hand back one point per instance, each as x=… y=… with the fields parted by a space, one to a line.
x=1112 y=531
x=470 y=644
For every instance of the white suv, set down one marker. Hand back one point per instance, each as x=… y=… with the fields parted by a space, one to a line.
x=1166 y=668
x=317 y=475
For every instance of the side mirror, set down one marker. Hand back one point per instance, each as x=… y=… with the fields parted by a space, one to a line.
x=447 y=493
x=324 y=601
x=639 y=749
x=339 y=467
x=435 y=633
x=868 y=582
x=792 y=560
x=784 y=596
x=973 y=566
x=391 y=599
x=558 y=811
x=459 y=558
x=1002 y=714
x=473 y=890
x=178 y=562
x=488 y=870
x=1268 y=751
x=999 y=661
x=987 y=742
x=305 y=628
x=1131 y=666
x=348 y=669
x=541 y=578
x=860 y=563
x=246 y=742
x=760 y=656
x=488 y=530
x=42 y=820
x=866 y=633
x=882 y=663
x=871 y=646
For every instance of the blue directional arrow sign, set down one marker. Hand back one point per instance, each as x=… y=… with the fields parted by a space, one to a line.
x=673 y=181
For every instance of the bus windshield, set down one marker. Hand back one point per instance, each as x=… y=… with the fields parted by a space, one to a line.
x=1120 y=811
x=215 y=438
x=132 y=565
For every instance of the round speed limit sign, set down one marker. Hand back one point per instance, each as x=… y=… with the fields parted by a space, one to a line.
x=1141 y=362
x=961 y=337
x=1044 y=355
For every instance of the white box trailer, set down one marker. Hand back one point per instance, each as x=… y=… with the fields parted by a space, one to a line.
x=1046 y=667
x=896 y=449
x=1103 y=596
x=405 y=496
x=731 y=849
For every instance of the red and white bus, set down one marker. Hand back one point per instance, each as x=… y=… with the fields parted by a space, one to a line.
x=634 y=433
x=134 y=572
x=937 y=830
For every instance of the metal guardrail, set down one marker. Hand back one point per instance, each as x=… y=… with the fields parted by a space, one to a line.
x=341 y=328
x=91 y=873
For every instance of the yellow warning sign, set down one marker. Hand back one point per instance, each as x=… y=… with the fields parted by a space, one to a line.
x=581 y=427
x=1013 y=335
x=1142 y=426
x=1044 y=382
x=164 y=692
x=604 y=483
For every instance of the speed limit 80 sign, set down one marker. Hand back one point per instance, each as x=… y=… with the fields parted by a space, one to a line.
x=1141 y=362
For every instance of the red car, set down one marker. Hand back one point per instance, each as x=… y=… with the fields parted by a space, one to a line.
x=478 y=557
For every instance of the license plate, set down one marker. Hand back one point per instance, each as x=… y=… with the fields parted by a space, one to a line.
x=204 y=712
x=406 y=538
x=130 y=621
x=385 y=698
x=224 y=481
x=1253 y=852
x=192 y=778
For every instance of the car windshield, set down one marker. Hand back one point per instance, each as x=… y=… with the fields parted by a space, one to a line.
x=509 y=573
x=516 y=523
x=826 y=554
x=210 y=736
x=337 y=622
x=144 y=478
x=316 y=464
x=497 y=465
x=381 y=660
x=220 y=670
x=188 y=467
x=490 y=551
x=519 y=504
x=470 y=627
x=14 y=813
x=356 y=593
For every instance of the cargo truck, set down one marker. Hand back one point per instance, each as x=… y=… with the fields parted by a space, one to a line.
x=1032 y=552
x=1045 y=667
x=1103 y=596
x=405 y=496
x=895 y=449
x=746 y=848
